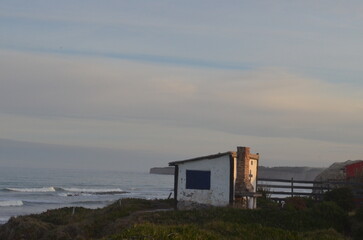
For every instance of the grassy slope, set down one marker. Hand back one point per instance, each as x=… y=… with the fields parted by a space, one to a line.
x=135 y=219
x=83 y=224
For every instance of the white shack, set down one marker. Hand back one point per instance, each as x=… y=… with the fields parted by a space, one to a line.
x=222 y=179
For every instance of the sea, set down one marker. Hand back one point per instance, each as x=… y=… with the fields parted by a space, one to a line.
x=29 y=190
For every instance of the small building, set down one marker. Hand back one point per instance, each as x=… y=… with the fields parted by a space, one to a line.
x=342 y=174
x=340 y=171
x=354 y=171
x=222 y=179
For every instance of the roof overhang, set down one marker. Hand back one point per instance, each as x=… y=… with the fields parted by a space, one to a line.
x=213 y=156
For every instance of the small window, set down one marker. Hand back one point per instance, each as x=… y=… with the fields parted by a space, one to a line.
x=251 y=162
x=198 y=179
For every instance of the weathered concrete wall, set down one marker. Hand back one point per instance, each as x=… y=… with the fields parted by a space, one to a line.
x=218 y=195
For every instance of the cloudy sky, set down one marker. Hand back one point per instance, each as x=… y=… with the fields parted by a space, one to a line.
x=127 y=85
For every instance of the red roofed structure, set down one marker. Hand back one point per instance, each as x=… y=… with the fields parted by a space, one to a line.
x=354 y=171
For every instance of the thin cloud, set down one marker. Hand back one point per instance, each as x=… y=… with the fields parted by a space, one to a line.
x=265 y=102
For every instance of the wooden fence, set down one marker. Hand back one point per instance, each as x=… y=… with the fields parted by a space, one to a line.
x=278 y=189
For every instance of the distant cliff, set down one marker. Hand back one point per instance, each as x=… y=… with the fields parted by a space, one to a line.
x=162 y=170
x=298 y=173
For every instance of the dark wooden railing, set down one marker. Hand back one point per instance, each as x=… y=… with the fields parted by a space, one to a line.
x=275 y=188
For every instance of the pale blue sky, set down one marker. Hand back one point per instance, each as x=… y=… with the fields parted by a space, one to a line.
x=167 y=80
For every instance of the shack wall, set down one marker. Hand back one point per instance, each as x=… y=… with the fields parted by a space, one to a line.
x=219 y=192
x=253 y=173
x=354 y=170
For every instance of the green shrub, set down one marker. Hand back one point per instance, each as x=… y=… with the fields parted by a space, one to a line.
x=325 y=234
x=24 y=228
x=357 y=230
x=296 y=203
x=321 y=216
x=248 y=231
x=343 y=197
x=357 y=224
x=132 y=219
x=220 y=230
x=330 y=215
x=152 y=231
x=214 y=230
x=63 y=216
x=359 y=214
x=266 y=203
x=264 y=191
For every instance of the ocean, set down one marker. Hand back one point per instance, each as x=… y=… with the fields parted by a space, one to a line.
x=26 y=191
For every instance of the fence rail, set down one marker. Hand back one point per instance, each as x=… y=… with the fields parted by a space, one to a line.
x=276 y=187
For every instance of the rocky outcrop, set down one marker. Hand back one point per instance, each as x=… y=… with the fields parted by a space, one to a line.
x=298 y=173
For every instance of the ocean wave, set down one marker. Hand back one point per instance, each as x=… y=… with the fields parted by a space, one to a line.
x=91 y=202
x=73 y=194
x=93 y=191
x=71 y=191
x=39 y=202
x=11 y=203
x=4 y=220
x=42 y=189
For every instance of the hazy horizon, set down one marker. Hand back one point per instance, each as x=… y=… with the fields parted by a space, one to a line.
x=130 y=85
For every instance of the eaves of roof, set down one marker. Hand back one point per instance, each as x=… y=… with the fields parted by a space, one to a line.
x=213 y=156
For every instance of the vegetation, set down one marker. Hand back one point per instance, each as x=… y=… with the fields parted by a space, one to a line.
x=343 y=197
x=299 y=218
x=79 y=223
x=221 y=230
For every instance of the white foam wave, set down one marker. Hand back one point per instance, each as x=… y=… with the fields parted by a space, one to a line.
x=3 y=220
x=43 y=189
x=94 y=190
x=11 y=203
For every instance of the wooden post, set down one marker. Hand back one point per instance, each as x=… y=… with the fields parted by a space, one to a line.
x=176 y=179
x=292 y=187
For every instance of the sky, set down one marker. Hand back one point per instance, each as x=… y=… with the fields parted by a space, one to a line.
x=129 y=85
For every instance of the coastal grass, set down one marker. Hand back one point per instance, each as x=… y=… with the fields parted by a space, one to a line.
x=155 y=219
x=322 y=216
x=221 y=230
x=78 y=223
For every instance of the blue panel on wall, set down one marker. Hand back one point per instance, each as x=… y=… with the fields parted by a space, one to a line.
x=198 y=179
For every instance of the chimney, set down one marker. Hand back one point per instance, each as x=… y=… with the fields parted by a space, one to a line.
x=243 y=182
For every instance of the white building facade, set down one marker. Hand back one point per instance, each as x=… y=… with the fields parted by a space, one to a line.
x=221 y=179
